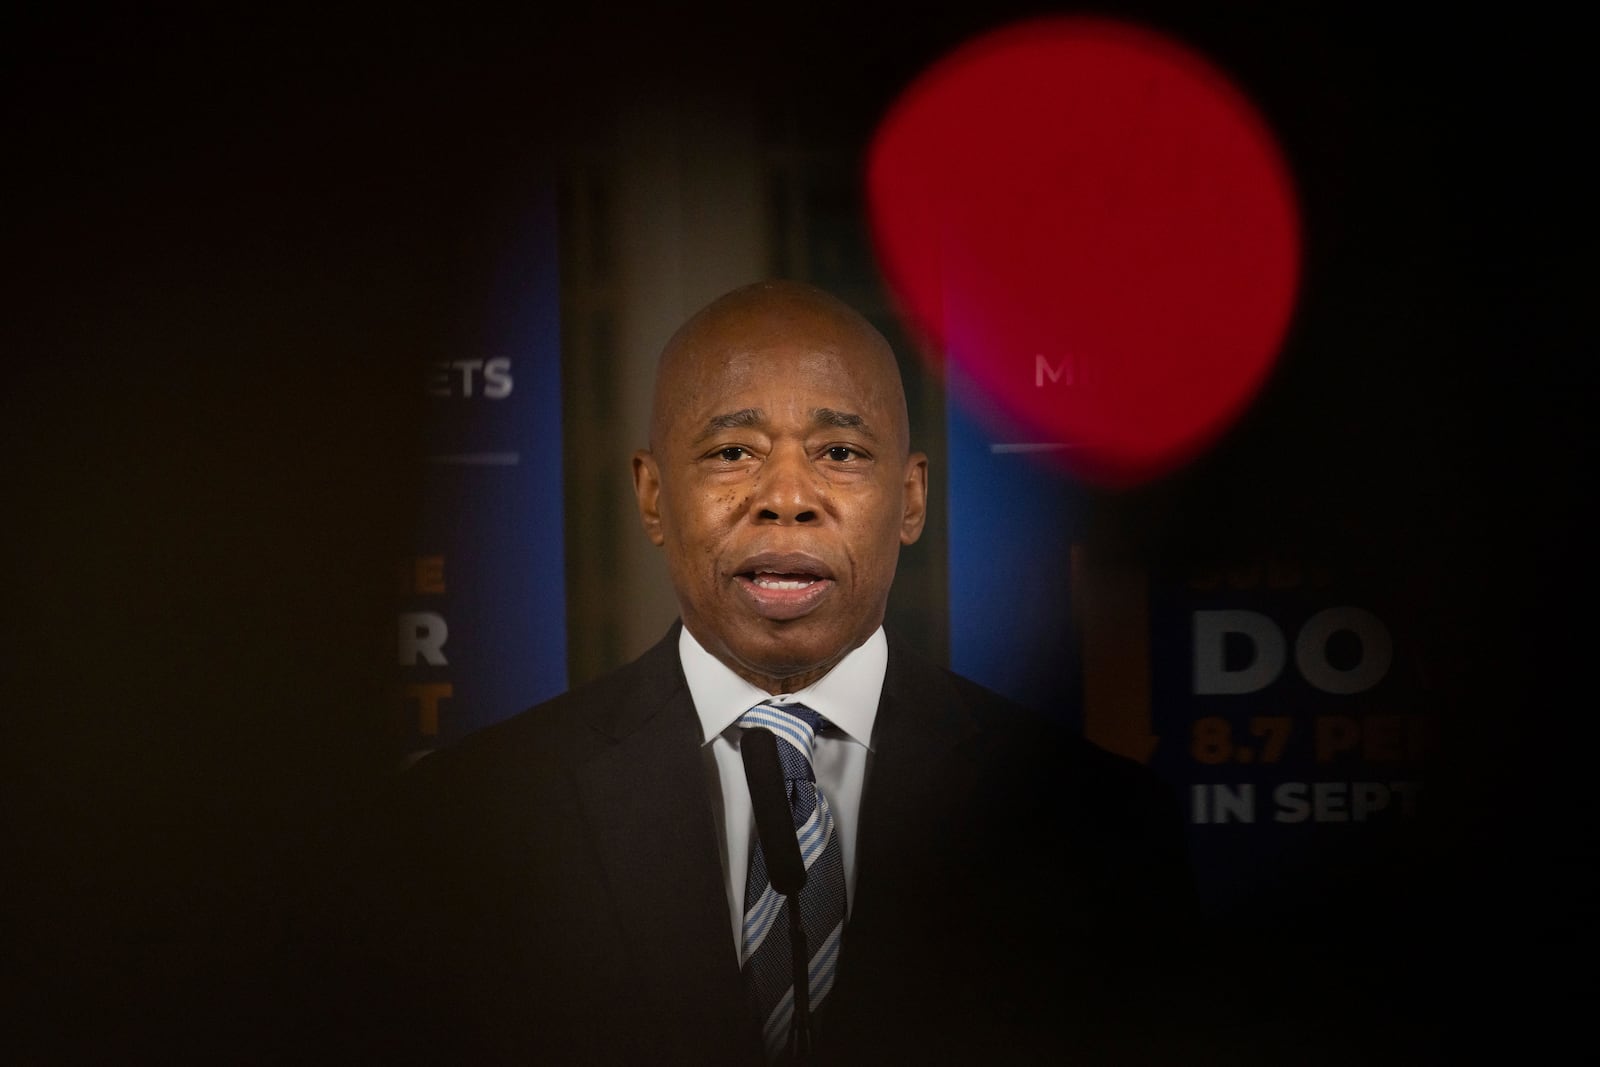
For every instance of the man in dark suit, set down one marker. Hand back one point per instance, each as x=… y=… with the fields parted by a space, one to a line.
x=571 y=883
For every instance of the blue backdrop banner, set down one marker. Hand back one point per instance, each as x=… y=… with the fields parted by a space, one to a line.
x=482 y=625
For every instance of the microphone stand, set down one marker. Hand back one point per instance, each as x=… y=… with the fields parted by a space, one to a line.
x=800 y=1035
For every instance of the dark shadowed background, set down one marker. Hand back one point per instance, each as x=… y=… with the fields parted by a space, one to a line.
x=235 y=240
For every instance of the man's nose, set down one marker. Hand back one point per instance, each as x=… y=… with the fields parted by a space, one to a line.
x=787 y=489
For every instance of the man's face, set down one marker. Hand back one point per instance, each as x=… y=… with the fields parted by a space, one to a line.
x=780 y=486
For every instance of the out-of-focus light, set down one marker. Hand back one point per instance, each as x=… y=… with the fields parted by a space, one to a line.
x=1096 y=229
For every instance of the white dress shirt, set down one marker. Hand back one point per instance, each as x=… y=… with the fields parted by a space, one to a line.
x=846 y=696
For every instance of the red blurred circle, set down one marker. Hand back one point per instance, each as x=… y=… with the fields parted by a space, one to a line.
x=1095 y=228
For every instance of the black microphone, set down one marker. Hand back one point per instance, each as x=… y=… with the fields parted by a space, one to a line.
x=769 y=799
x=774 y=817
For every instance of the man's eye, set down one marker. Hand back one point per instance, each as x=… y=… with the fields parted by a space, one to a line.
x=841 y=454
x=731 y=454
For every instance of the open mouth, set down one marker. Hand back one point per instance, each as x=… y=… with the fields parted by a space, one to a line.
x=782 y=587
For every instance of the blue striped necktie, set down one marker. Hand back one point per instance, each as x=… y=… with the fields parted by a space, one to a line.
x=768 y=961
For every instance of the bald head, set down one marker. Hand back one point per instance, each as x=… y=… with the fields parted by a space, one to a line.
x=761 y=315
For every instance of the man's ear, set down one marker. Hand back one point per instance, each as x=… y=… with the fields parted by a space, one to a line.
x=647 y=488
x=915 y=515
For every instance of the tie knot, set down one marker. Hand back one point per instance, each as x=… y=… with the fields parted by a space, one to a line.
x=794 y=724
x=805 y=715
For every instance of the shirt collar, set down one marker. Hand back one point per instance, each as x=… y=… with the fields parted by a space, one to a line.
x=847 y=696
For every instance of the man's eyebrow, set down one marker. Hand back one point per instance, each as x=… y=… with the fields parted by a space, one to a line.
x=732 y=420
x=845 y=420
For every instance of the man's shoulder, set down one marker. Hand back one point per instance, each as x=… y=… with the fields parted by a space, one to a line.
x=1104 y=829
x=572 y=726
x=1038 y=746
x=915 y=678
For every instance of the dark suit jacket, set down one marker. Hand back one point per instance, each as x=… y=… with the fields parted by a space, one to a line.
x=555 y=893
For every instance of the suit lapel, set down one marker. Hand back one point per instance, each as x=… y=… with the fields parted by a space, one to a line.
x=915 y=775
x=907 y=873
x=646 y=802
